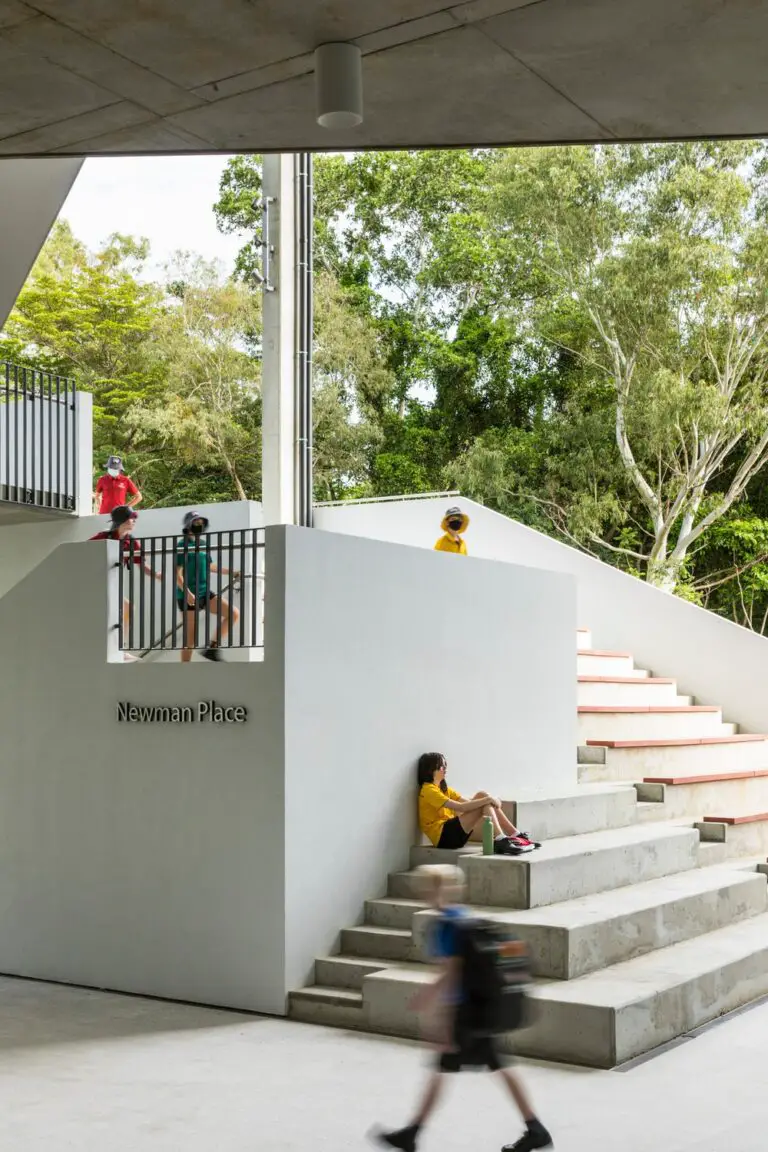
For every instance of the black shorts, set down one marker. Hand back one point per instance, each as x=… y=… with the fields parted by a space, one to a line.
x=453 y=835
x=470 y=1052
x=184 y=605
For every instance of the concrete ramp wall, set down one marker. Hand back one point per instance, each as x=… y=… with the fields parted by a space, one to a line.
x=716 y=661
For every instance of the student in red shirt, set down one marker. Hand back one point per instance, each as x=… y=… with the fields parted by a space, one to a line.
x=121 y=528
x=114 y=489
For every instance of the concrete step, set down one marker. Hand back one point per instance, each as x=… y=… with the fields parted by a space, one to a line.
x=741 y=836
x=335 y=1007
x=392 y=913
x=378 y=943
x=578 y=936
x=635 y=760
x=739 y=792
x=585 y=935
x=600 y=663
x=583 y=639
x=588 y=808
x=426 y=854
x=610 y=1016
x=651 y=722
x=350 y=971
x=577 y=866
x=596 y=690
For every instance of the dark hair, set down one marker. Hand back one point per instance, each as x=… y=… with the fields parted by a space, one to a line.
x=122 y=514
x=429 y=762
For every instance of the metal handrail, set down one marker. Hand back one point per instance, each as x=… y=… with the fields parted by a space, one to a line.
x=161 y=646
x=38 y=438
x=157 y=615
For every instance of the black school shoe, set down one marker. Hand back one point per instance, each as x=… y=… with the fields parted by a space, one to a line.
x=535 y=1136
x=507 y=846
x=212 y=653
x=404 y=1139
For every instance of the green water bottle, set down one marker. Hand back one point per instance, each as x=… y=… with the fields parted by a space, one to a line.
x=487 y=836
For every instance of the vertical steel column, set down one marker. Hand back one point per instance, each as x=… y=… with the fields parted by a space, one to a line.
x=286 y=276
x=303 y=336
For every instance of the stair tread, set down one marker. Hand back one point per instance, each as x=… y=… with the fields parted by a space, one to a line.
x=643 y=709
x=617 y=902
x=585 y=679
x=682 y=741
x=341 y=996
x=374 y=962
x=655 y=972
x=587 y=842
x=399 y=902
x=380 y=930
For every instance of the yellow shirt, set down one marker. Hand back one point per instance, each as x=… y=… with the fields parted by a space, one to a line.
x=432 y=811
x=448 y=544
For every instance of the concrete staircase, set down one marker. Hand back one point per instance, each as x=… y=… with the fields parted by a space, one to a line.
x=646 y=909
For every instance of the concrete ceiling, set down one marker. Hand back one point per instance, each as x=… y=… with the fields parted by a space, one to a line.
x=88 y=77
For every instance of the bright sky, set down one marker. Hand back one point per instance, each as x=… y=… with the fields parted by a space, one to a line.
x=168 y=199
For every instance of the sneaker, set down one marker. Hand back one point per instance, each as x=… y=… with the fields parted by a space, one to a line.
x=404 y=1139
x=524 y=838
x=504 y=847
x=535 y=1136
x=520 y=844
x=212 y=653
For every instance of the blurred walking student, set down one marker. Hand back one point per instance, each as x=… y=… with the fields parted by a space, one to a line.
x=463 y=1024
x=114 y=489
x=454 y=525
x=122 y=521
x=193 y=592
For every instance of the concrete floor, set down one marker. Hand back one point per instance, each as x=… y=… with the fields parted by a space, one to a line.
x=95 y=1072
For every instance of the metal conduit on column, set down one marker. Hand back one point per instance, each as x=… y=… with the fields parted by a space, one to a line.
x=304 y=332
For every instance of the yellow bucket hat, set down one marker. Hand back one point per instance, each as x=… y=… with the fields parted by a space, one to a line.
x=455 y=514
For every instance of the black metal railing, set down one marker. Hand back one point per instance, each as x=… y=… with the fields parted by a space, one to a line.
x=38 y=438
x=192 y=592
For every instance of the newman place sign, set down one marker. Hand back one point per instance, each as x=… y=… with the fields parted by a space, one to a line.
x=205 y=710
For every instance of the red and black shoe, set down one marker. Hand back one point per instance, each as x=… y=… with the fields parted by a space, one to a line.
x=523 y=841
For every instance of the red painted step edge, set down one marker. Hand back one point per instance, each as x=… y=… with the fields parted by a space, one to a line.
x=624 y=679
x=647 y=708
x=675 y=743
x=753 y=819
x=599 y=652
x=715 y=778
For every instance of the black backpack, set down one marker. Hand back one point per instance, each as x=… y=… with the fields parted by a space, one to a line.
x=496 y=972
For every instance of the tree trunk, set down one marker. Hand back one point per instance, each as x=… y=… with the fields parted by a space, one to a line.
x=663 y=574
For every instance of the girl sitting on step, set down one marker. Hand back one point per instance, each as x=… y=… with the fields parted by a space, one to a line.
x=448 y=820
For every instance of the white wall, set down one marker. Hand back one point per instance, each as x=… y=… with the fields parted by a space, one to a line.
x=391 y=652
x=713 y=659
x=146 y=858
x=213 y=863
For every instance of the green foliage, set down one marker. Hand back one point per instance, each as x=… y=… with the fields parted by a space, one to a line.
x=577 y=337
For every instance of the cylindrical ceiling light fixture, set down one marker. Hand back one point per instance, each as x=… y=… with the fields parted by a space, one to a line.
x=339 y=85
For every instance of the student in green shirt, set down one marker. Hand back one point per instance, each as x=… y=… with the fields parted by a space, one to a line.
x=193 y=593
